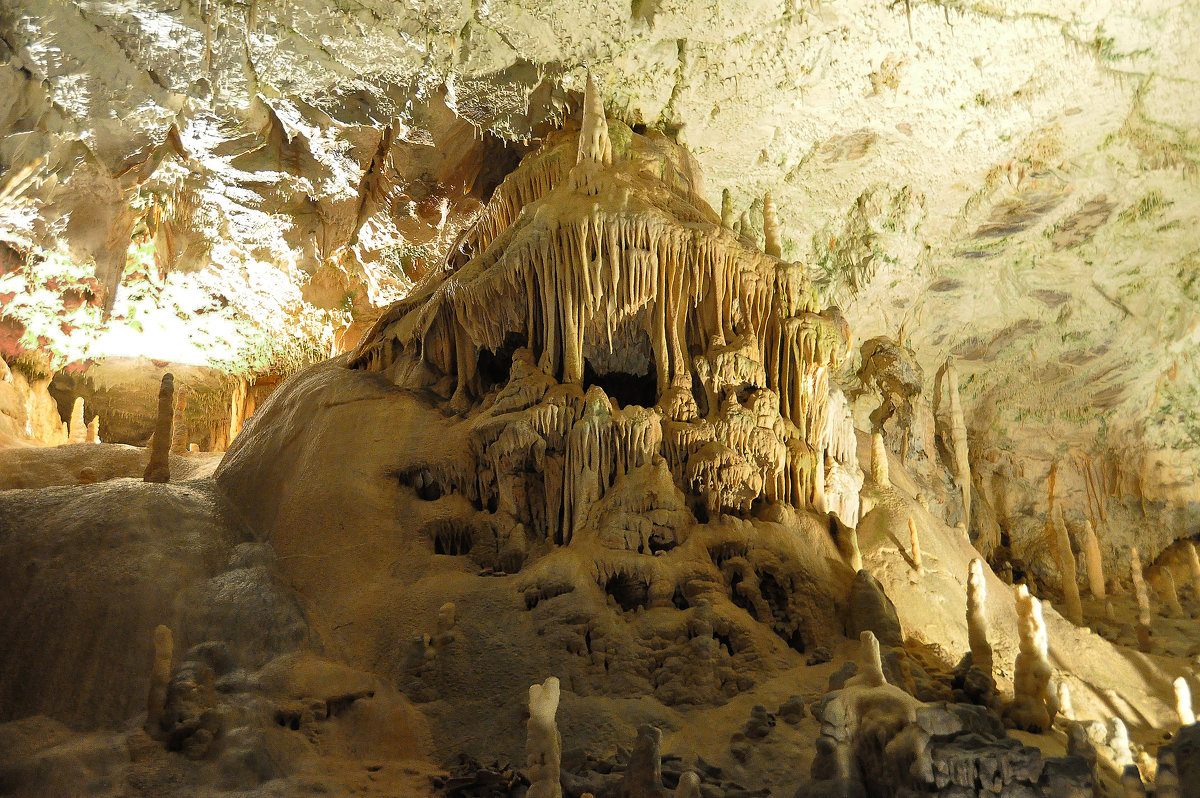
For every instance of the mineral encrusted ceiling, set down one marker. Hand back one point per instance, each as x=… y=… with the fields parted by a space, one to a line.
x=1011 y=183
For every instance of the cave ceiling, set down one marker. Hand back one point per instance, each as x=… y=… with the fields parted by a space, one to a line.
x=1014 y=184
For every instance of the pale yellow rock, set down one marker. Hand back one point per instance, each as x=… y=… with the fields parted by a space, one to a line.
x=1032 y=702
x=958 y=434
x=1065 y=707
x=1194 y=563
x=594 y=143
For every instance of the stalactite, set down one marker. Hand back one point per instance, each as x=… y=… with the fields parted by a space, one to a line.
x=977 y=625
x=1066 y=568
x=159 y=467
x=1143 y=599
x=1094 y=562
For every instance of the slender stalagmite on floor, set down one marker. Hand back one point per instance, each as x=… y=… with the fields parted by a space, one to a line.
x=915 y=543
x=77 y=432
x=1065 y=707
x=977 y=625
x=728 y=215
x=160 y=675
x=1093 y=561
x=870 y=663
x=856 y=561
x=772 y=231
x=879 y=462
x=1066 y=568
x=1143 y=599
x=689 y=786
x=958 y=434
x=1194 y=561
x=179 y=427
x=1183 y=702
x=93 y=429
x=1030 y=709
x=1164 y=586
x=159 y=467
x=543 y=746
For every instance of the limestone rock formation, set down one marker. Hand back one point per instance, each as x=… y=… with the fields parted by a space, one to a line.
x=159 y=467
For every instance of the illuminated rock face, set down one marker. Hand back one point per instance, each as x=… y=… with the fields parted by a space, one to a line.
x=600 y=319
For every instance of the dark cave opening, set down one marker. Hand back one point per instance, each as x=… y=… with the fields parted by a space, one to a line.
x=494 y=367
x=629 y=592
x=628 y=389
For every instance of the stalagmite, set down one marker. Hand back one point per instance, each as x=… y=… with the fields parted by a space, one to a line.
x=1183 y=702
x=179 y=427
x=977 y=625
x=958 y=434
x=160 y=676
x=159 y=467
x=543 y=746
x=728 y=214
x=1118 y=743
x=856 y=560
x=78 y=430
x=1194 y=561
x=1164 y=585
x=594 y=143
x=1065 y=707
x=689 y=786
x=879 y=461
x=1143 y=599
x=93 y=430
x=1066 y=568
x=1094 y=562
x=915 y=543
x=870 y=663
x=1031 y=705
x=772 y=232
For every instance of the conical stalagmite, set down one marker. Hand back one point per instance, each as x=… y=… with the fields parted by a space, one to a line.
x=1143 y=599
x=1065 y=707
x=77 y=431
x=159 y=467
x=879 y=461
x=1066 y=568
x=1164 y=586
x=179 y=427
x=594 y=143
x=856 y=560
x=1093 y=561
x=870 y=663
x=977 y=625
x=772 y=232
x=93 y=429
